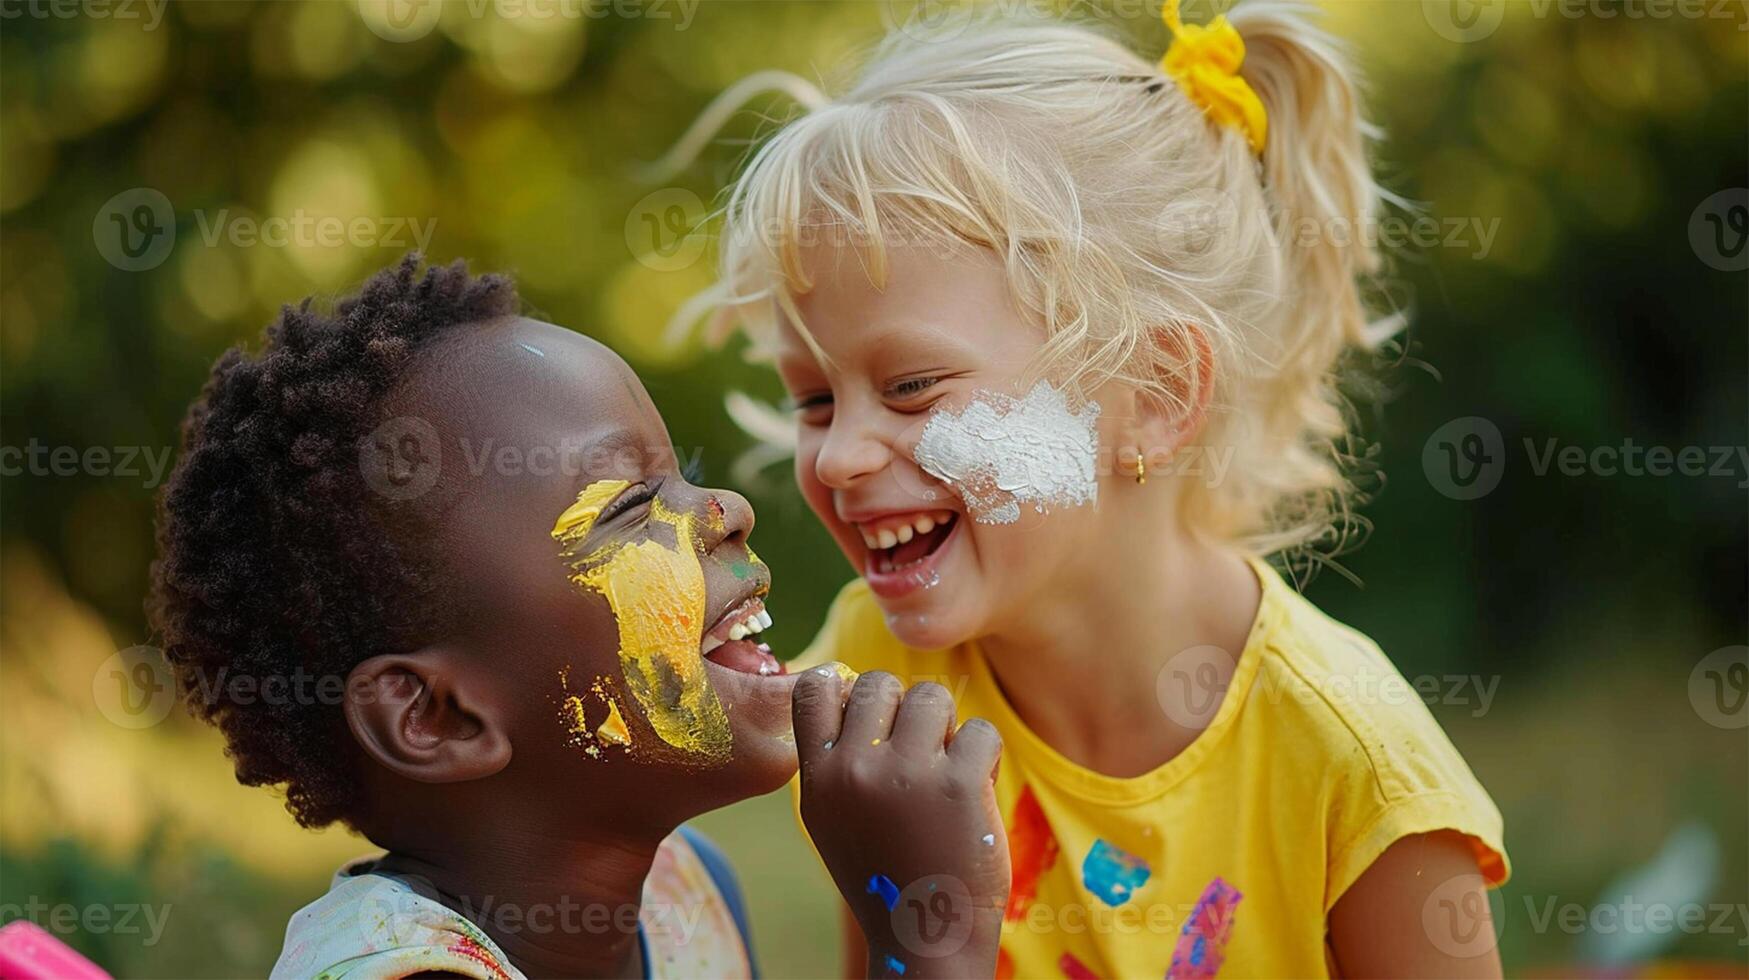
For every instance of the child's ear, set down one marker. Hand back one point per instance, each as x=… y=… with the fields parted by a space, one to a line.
x=1163 y=425
x=417 y=717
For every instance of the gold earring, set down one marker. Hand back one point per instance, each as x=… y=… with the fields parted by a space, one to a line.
x=1141 y=469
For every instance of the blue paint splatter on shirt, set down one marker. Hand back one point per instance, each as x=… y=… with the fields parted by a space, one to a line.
x=1112 y=874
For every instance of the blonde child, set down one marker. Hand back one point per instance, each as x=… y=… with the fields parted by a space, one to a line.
x=1061 y=326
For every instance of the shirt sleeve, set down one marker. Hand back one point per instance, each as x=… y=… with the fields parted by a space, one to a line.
x=1412 y=780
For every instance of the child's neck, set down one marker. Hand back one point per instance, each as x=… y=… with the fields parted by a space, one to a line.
x=1112 y=631
x=557 y=907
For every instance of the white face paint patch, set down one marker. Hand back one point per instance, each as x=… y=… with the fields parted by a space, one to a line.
x=1000 y=452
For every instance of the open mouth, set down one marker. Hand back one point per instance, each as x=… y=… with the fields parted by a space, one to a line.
x=903 y=548
x=732 y=642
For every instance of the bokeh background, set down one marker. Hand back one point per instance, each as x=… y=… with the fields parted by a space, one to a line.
x=1585 y=168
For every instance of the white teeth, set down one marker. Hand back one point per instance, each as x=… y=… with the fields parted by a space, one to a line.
x=906 y=534
x=886 y=538
x=765 y=619
x=737 y=632
x=870 y=540
x=924 y=524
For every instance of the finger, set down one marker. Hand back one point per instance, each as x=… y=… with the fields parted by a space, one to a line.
x=978 y=745
x=817 y=712
x=924 y=720
x=873 y=703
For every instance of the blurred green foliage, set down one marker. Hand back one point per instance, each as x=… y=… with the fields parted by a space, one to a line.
x=1587 y=141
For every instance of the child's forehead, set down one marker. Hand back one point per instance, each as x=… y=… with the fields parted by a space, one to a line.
x=519 y=373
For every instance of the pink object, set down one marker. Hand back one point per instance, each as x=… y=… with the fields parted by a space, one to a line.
x=1202 y=945
x=28 y=952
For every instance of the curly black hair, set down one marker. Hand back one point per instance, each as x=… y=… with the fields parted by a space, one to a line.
x=277 y=563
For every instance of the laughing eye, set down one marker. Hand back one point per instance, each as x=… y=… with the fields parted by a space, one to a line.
x=634 y=497
x=813 y=409
x=911 y=386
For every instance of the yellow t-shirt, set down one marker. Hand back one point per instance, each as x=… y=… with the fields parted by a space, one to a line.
x=1228 y=858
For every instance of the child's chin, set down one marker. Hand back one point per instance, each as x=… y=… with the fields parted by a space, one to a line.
x=928 y=626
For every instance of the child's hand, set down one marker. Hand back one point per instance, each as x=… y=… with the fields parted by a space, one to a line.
x=903 y=811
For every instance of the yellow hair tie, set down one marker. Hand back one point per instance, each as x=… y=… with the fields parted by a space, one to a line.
x=1205 y=61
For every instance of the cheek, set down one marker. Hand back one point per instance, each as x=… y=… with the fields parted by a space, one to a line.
x=817 y=494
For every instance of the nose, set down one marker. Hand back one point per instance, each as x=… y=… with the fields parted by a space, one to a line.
x=731 y=519
x=850 y=452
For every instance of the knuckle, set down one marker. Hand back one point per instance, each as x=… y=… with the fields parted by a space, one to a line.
x=982 y=728
x=875 y=687
x=929 y=692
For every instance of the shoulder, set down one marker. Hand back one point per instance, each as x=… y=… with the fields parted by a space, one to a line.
x=1340 y=708
x=1337 y=687
x=372 y=925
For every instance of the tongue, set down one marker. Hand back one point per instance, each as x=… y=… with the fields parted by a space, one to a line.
x=918 y=546
x=745 y=656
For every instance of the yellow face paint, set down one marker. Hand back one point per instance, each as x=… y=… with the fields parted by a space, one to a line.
x=657 y=595
x=614 y=730
x=578 y=518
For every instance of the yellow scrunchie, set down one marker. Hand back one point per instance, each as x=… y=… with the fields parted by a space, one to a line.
x=1205 y=61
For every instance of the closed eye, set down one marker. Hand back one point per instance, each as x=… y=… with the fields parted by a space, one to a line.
x=905 y=389
x=812 y=409
x=633 y=498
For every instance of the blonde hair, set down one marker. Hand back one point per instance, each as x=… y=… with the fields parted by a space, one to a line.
x=1094 y=179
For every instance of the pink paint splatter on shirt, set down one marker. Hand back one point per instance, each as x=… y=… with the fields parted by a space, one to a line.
x=1202 y=944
